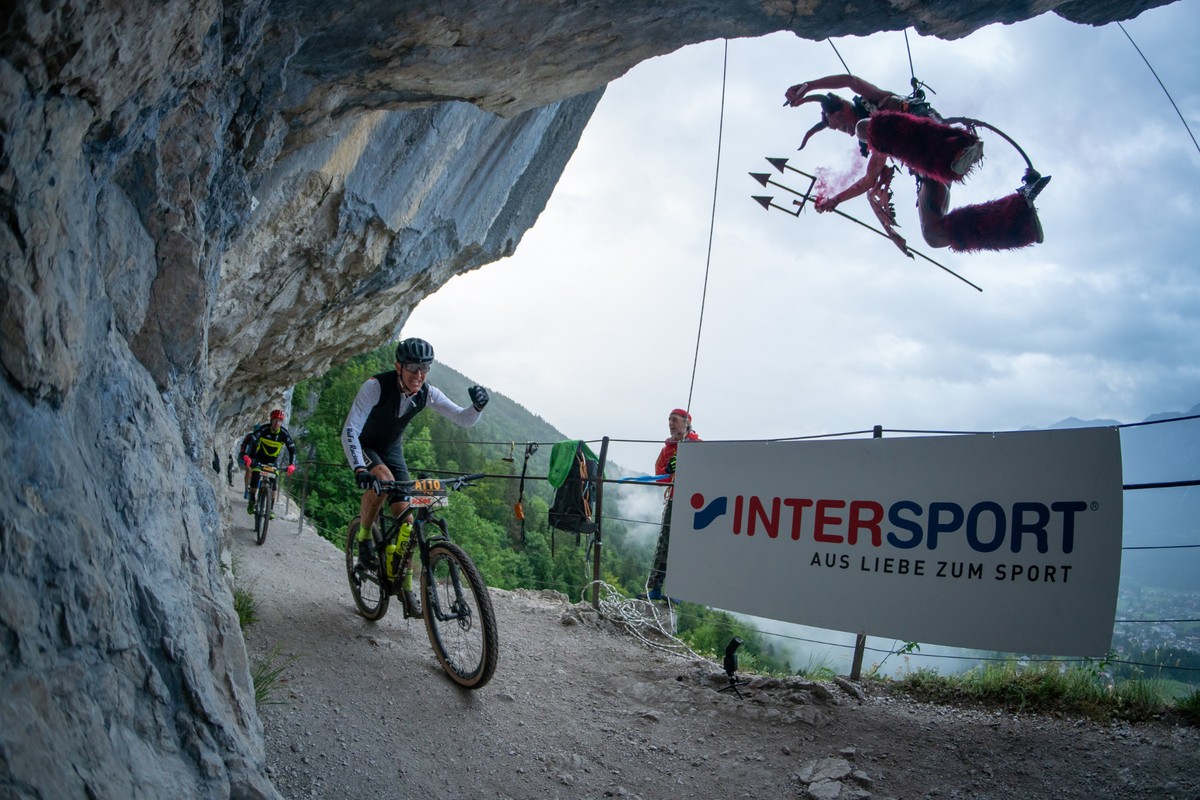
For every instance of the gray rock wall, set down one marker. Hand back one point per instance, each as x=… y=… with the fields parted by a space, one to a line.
x=201 y=203
x=366 y=222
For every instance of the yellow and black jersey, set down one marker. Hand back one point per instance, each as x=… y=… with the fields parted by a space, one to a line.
x=265 y=446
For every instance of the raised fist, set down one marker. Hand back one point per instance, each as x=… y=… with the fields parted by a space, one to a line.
x=479 y=397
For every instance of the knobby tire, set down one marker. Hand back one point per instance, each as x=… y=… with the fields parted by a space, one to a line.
x=262 y=511
x=466 y=646
x=370 y=596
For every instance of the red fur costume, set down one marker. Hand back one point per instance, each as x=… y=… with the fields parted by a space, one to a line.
x=1004 y=224
x=929 y=148
x=925 y=146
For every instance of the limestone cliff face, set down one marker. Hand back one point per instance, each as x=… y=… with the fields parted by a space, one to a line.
x=203 y=202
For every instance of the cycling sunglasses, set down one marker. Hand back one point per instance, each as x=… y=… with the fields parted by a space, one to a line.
x=417 y=368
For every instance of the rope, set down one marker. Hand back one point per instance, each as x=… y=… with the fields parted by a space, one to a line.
x=912 y=74
x=1160 y=83
x=975 y=123
x=641 y=619
x=711 y=222
x=839 y=55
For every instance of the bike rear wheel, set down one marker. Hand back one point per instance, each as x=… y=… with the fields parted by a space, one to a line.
x=369 y=593
x=459 y=617
x=262 y=510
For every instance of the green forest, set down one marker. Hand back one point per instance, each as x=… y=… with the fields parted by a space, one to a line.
x=510 y=553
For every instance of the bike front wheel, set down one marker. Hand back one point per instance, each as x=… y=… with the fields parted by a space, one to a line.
x=262 y=512
x=459 y=617
x=369 y=593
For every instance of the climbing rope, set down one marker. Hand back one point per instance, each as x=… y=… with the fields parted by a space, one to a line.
x=839 y=55
x=645 y=621
x=1161 y=84
x=917 y=99
x=912 y=74
x=711 y=222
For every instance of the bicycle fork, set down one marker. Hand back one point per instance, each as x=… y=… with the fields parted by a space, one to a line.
x=459 y=610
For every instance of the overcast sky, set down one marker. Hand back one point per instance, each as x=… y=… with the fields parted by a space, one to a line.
x=814 y=325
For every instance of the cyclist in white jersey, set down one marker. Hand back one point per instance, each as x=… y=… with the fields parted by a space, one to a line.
x=373 y=434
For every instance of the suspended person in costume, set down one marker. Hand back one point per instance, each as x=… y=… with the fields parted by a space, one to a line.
x=910 y=131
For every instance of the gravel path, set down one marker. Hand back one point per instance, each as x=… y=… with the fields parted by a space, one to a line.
x=579 y=708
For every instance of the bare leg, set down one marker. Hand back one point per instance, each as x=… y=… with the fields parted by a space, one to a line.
x=933 y=201
x=371 y=502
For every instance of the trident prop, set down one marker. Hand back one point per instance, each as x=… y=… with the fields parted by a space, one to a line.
x=768 y=202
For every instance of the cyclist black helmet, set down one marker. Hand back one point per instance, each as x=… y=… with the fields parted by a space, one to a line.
x=414 y=351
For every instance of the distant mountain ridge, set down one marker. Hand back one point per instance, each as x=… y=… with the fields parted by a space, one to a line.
x=1076 y=422
x=506 y=420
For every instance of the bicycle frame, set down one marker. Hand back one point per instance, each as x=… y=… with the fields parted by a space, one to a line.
x=421 y=512
x=259 y=470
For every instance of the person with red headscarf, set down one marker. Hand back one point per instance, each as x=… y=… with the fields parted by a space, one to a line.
x=679 y=424
x=911 y=132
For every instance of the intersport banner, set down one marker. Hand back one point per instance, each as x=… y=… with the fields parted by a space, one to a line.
x=1007 y=542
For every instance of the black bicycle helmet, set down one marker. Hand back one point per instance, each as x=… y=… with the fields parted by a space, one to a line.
x=414 y=351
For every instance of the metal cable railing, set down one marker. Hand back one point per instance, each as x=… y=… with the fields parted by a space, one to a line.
x=875 y=431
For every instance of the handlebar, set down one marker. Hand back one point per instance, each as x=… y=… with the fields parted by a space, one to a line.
x=422 y=485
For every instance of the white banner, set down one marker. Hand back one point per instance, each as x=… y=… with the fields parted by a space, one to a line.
x=1008 y=542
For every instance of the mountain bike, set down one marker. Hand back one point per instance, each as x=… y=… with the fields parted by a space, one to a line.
x=457 y=608
x=264 y=499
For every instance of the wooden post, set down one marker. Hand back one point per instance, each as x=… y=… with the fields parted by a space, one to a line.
x=599 y=504
x=860 y=641
x=860 y=645
x=303 y=499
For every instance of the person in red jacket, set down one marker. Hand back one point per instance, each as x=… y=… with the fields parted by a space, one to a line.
x=679 y=423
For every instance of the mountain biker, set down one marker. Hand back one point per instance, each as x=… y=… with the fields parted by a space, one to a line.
x=264 y=445
x=910 y=131
x=373 y=438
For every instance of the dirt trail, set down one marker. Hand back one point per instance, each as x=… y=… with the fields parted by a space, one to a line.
x=580 y=709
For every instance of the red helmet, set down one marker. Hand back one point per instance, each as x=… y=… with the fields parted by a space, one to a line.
x=277 y=414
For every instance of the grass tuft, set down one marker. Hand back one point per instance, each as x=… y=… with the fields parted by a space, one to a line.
x=1189 y=707
x=243 y=598
x=267 y=674
x=245 y=605
x=1047 y=688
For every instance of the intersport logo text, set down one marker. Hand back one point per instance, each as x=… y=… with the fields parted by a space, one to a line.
x=986 y=526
